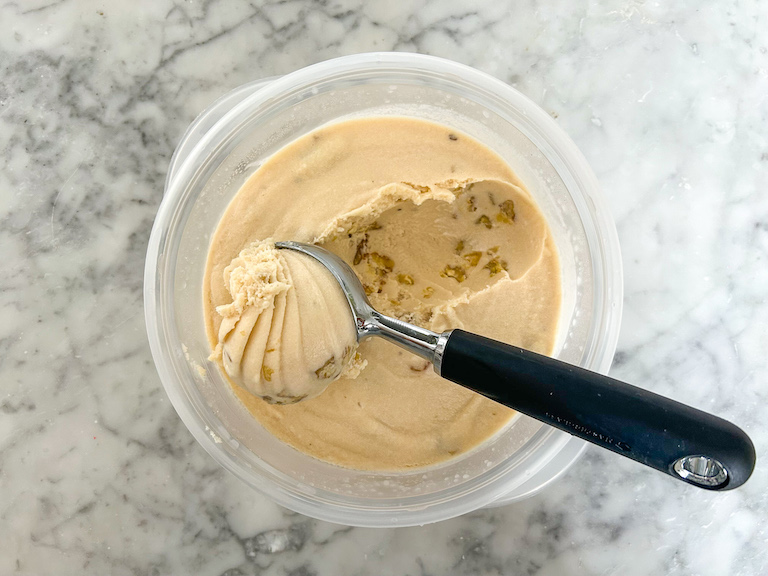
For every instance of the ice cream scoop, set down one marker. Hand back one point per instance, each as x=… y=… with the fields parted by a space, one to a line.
x=281 y=297
x=686 y=443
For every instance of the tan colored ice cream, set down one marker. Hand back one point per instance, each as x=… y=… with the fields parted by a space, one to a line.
x=422 y=252
x=441 y=233
x=288 y=331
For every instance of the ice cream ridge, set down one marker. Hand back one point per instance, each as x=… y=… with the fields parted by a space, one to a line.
x=440 y=232
x=288 y=331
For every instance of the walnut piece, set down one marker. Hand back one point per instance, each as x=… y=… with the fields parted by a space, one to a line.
x=485 y=221
x=507 y=214
x=473 y=258
x=456 y=272
x=495 y=266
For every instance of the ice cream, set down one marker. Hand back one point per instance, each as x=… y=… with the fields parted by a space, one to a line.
x=443 y=234
x=421 y=252
x=288 y=331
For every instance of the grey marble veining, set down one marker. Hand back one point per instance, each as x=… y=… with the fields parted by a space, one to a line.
x=97 y=473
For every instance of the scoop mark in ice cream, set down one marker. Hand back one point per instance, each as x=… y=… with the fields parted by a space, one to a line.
x=437 y=236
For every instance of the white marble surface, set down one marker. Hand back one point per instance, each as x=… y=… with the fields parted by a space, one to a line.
x=97 y=473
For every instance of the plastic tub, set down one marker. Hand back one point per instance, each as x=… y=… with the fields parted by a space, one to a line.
x=229 y=141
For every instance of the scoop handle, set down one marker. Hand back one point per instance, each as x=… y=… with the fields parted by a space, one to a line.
x=685 y=443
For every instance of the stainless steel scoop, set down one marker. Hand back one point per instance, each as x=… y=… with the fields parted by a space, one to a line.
x=688 y=444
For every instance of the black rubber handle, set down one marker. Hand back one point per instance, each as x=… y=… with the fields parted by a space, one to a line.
x=630 y=421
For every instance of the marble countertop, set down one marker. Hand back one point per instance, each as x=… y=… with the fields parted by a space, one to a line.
x=97 y=473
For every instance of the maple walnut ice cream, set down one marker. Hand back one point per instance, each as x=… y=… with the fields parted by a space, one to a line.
x=441 y=233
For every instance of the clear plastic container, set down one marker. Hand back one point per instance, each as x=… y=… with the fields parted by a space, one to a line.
x=233 y=137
